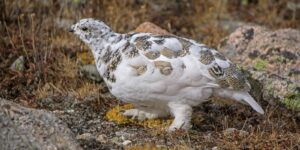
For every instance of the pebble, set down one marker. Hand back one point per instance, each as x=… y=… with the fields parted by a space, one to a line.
x=18 y=64
x=126 y=142
x=102 y=138
x=229 y=131
x=84 y=136
x=124 y=135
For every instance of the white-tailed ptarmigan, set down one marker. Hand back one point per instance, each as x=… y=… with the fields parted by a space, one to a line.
x=162 y=74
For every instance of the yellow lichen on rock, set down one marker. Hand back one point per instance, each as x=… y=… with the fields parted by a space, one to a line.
x=115 y=115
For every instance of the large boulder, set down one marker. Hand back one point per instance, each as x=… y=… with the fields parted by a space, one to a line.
x=272 y=58
x=26 y=128
x=149 y=27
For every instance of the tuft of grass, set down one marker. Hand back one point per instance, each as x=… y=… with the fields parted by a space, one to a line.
x=69 y=68
x=87 y=89
x=260 y=64
x=44 y=91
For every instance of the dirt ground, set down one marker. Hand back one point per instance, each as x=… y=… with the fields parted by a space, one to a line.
x=50 y=77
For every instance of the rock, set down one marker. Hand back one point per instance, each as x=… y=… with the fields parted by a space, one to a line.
x=208 y=137
x=18 y=64
x=90 y=72
x=26 y=128
x=231 y=131
x=272 y=57
x=56 y=103
x=237 y=42
x=215 y=148
x=151 y=28
x=126 y=142
x=85 y=136
x=124 y=135
x=115 y=140
x=102 y=138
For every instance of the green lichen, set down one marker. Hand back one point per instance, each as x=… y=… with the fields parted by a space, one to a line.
x=245 y=2
x=280 y=59
x=260 y=64
x=292 y=101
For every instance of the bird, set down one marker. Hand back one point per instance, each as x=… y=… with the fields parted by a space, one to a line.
x=162 y=75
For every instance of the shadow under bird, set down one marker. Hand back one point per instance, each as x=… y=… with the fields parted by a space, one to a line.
x=162 y=75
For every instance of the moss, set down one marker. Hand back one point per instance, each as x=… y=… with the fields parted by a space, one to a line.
x=260 y=64
x=292 y=101
x=115 y=116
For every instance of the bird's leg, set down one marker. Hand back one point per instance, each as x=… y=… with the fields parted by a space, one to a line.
x=182 y=116
x=142 y=113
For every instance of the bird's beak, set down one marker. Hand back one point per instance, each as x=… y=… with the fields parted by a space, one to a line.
x=71 y=30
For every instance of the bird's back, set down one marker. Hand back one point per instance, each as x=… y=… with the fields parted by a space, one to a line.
x=170 y=66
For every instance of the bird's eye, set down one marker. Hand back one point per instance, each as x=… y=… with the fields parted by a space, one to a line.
x=84 y=28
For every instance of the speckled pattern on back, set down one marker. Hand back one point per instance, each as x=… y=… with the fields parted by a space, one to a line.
x=154 y=47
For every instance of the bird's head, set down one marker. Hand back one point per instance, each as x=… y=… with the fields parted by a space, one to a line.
x=88 y=30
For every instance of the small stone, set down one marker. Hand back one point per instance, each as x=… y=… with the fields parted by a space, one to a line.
x=126 y=142
x=215 y=148
x=208 y=137
x=124 y=135
x=84 y=136
x=230 y=131
x=102 y=138
x=18 y=64
x=70 y=111
x=243 y=133
x=115 y=140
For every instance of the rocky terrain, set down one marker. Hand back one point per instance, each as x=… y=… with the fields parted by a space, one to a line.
x=271 y=57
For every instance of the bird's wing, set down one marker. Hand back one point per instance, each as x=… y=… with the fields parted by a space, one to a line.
x=206 y=61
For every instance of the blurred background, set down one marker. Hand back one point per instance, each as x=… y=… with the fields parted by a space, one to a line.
x=39 y=59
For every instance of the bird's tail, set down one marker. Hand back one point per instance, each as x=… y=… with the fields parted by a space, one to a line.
x=240 y=96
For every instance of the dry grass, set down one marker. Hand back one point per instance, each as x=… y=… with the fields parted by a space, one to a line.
x=29 y=28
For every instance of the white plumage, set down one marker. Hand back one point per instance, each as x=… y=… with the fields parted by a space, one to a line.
x=162 y=74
